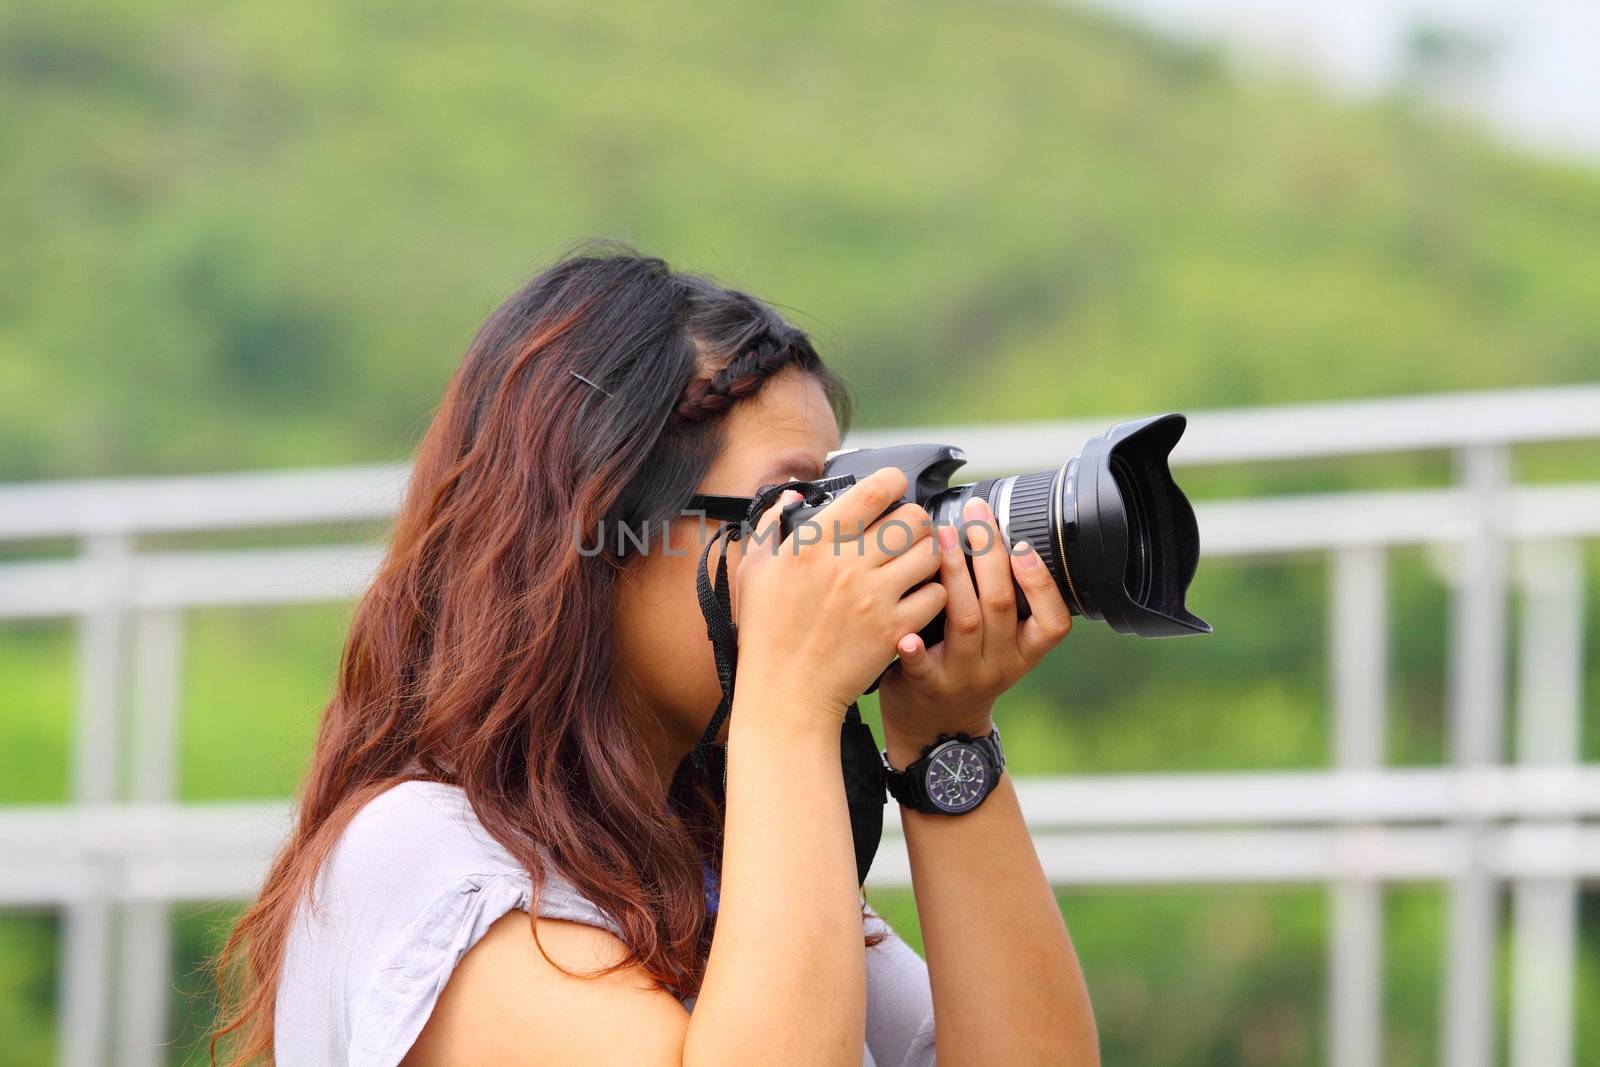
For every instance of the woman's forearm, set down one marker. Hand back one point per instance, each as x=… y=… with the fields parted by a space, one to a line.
x=786 y=979
x=1007 y=987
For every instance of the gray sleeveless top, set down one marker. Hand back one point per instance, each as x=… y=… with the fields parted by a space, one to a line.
x=414 y=882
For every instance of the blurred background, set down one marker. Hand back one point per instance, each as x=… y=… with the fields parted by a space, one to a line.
x=242 y=247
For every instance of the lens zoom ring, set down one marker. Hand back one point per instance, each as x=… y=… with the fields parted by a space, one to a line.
x=1029 y=509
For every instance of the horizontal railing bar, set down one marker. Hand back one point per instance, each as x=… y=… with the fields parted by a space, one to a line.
x=221 y=578
x=114 y=829
x=1276 y=526
x=1340 y=796
x=1410 y=794
x=195 y=879
x=1290 y=431
x=171 y=852
x=1311 y=825
x=1302 y=855
x=1126 y=857
x=176 y=504
x=1326 y=521
x=296 y=497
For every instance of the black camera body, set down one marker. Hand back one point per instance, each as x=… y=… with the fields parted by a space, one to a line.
x=1110 y=524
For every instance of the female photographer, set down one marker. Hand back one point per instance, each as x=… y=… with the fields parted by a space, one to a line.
x=501 y=855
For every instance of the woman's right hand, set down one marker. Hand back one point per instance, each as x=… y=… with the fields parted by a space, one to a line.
x=820 y=615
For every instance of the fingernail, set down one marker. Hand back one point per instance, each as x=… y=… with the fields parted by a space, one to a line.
x=947 y=538
x=1025 y=555
x=790 y=497
x=908 y=645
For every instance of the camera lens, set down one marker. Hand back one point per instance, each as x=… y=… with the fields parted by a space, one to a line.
x=1110 y=524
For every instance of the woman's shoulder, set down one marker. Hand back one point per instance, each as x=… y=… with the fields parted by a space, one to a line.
x=412 y=883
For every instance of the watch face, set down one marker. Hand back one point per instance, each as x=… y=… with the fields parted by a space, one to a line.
x=957 y=777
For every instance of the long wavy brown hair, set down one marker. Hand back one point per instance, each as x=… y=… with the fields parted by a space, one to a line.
x=480 y=655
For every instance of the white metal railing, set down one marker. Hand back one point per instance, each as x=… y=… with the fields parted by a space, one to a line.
x=116 y=858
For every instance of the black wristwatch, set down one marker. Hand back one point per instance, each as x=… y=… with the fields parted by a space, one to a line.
x=952 y=776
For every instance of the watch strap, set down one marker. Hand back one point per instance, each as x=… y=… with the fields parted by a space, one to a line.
x=906 y=786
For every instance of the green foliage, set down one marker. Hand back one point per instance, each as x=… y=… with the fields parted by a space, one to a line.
x=28 y=986
x=36 y=712
x=243 y=236
x=256 y=683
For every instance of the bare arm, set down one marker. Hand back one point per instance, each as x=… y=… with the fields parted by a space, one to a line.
x=1006 y=983
x=786 y=980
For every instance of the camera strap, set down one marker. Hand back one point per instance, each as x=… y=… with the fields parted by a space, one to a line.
x=865 y=792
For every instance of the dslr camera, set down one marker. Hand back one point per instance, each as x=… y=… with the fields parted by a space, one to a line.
x=1117 y=534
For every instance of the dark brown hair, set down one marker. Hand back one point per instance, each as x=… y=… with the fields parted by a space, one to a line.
x=480 y=654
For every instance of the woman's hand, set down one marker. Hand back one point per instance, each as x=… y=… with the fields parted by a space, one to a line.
x=822 y=613
x=952 y=686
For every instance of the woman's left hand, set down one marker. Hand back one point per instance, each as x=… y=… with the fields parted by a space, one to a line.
x=952 y=686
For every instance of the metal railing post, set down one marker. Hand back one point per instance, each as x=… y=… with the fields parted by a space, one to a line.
x=145 y=962
x=1549 y=697
x=84 y=986
x=1477 y=687
x=1358 y=660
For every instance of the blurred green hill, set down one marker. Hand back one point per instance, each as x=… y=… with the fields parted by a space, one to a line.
x=242 y=236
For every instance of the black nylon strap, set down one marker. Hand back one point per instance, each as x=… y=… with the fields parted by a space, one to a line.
x=715 y=600
x=859 y=759
x=717 y=609
x=748 y=509
x=864 y=792
x=721 y=508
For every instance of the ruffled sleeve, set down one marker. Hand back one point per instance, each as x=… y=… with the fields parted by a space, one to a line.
x=413 y=884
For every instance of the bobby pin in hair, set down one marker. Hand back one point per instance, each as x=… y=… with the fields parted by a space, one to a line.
x=590 y=384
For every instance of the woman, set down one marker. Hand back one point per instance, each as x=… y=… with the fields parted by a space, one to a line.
x=501 y=854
